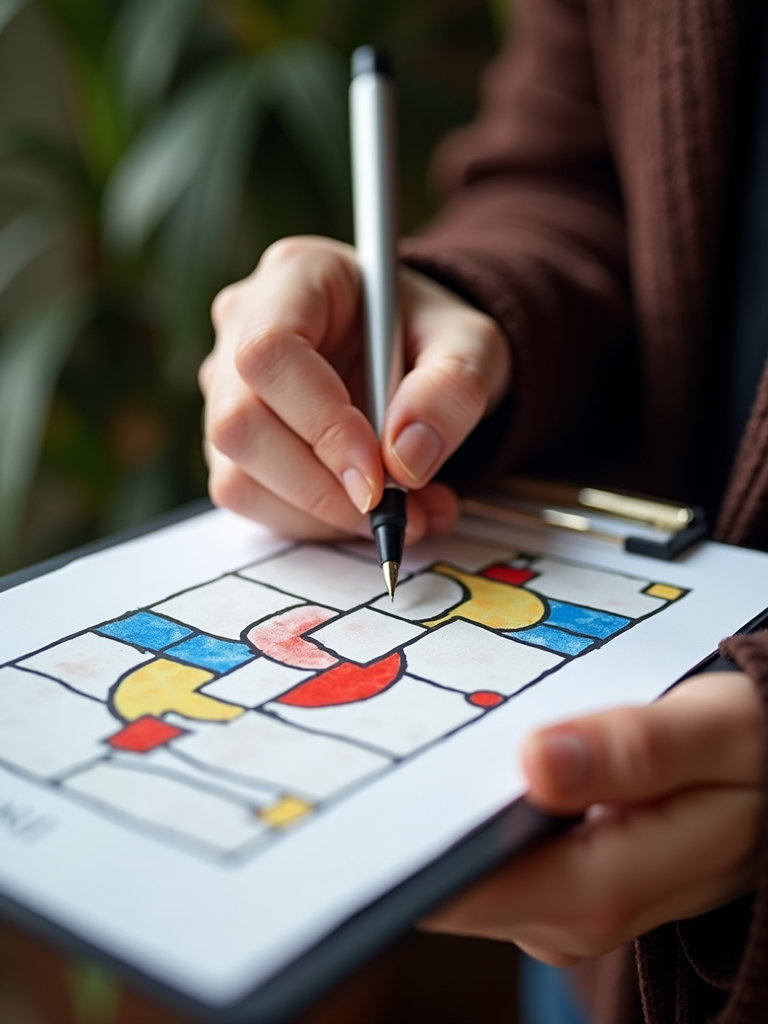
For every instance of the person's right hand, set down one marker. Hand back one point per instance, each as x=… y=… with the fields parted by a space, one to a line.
x=286 y=442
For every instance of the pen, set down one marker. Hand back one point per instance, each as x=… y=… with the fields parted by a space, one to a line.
x=372 y=120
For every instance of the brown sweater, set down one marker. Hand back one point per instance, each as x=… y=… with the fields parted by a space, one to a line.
x=584 y=213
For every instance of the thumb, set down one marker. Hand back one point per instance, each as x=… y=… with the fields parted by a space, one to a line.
x=706 y=731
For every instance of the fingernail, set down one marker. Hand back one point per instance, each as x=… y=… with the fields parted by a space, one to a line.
x=358 y=488
x=417 y=448
x=568 y=759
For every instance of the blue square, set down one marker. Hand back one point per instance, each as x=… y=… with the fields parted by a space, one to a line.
x=588 y=621
x=553 y=639
x=212 y=653
x=146 y=630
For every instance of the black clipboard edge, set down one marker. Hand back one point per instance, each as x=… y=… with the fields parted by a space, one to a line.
x=353 y=943
x=362 y=936
x=368 y=932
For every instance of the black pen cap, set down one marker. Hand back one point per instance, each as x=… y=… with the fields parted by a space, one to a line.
x=370 y=60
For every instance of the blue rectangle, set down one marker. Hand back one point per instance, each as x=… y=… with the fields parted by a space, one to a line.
x=585 y=620
x=553 y=639
x=146 y=630
x=212 y=653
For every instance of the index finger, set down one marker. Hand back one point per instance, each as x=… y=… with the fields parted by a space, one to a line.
x=707 y=730
x=304 y=313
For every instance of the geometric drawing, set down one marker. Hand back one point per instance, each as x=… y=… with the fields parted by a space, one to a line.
x=146 y=630
x=664 y=591
x=610 y=592
x=259 y=747
x=467 y=657
x=492 y=603
x=428 y=595
x=162 y=686
x=45 y=728
x=144 y=734
x=210 y=652
x=398 y=721
x=169 y=804
x=345 y=581
x=286 y=811
x=224 y=607
x=89 y=663
x=365 y=635
x=347 y=683
x=222 y=716
x=281 y=637
x=257 y=682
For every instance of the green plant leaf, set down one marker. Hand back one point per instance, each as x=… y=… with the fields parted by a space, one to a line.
x=24 y=238
x=308 y=85
x=145 y=46
x=171 y=153
x=50 y=155
x=8 y=10
x=195 y=244
x=32 y=355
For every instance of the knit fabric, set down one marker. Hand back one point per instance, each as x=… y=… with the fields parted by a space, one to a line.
x=583 y=212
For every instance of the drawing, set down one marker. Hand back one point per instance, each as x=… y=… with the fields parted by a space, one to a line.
x=220 y=717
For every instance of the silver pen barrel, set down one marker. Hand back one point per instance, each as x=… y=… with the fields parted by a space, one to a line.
x=374 y=190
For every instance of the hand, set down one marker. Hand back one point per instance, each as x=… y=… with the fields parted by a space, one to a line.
x=676 y=792
x=286 y=441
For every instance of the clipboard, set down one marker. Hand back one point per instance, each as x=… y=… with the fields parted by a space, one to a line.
x=364 y=933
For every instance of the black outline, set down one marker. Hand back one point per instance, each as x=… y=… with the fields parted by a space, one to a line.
x=234 y=857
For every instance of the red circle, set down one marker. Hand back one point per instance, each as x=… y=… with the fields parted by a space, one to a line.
x=485 y=698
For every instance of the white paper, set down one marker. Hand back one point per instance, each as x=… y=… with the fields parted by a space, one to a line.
x=216 y=745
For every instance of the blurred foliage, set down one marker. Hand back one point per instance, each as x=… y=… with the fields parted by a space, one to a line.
x=199 y=132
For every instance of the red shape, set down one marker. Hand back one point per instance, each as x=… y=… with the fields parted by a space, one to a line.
x=280 y=637
x=345 y=684
x=508 y=574
x=144 y=734
x=485 y=698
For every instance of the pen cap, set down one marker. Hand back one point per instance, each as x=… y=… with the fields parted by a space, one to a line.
x=370 y=60
x=372 y=117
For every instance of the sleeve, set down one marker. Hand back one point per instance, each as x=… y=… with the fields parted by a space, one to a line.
x=532 y=230
x=713 y=967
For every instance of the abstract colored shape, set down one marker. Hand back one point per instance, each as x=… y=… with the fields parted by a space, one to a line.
x=665 y=591
x=285 y=811
x=144 y=629
x=280 y=637
x=588 y=621
x=554 y=639
x=144 y=735
x=346 y=684
x=210 y=652
x=485 y=698
x=162 y=686
x=508 y=574
x=491 y=603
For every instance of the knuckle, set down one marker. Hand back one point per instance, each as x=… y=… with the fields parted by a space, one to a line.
x=227 y=488
x=321 y=503
x=643 y=748
x=223 y=305
x=284 y=250
x=328 y=438
x=464 y=384
x=228 y=428
x=261 y=356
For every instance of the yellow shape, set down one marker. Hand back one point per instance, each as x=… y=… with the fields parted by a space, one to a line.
x=285 y=811
x=492 y=603
x=665 y=590
x=163 y=685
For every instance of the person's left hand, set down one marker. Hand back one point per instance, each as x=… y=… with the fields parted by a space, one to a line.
x=674 y=792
